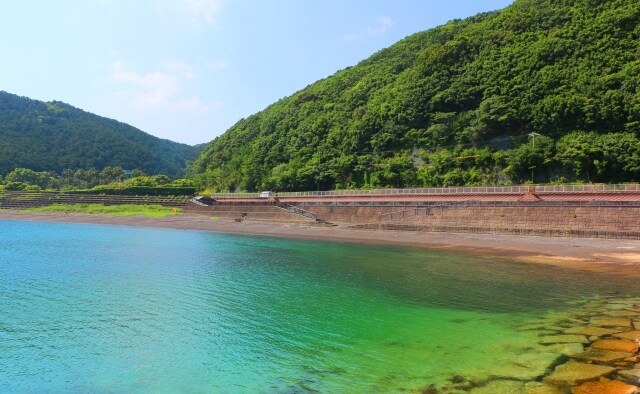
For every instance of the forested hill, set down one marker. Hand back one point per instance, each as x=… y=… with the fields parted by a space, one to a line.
x=453 y=106
x=54 y=136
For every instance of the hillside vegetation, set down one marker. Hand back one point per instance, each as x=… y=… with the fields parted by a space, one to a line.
x=453 y=106
x=54 y=136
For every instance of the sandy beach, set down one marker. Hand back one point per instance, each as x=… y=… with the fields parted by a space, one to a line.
x=603 y=255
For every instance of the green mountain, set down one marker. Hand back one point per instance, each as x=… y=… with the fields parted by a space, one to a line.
x=54 y=136
x=453 y=105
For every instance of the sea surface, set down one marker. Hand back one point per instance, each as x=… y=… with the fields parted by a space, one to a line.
x=90 y=308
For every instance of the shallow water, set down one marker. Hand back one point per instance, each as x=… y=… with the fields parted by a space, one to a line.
x=111 y=309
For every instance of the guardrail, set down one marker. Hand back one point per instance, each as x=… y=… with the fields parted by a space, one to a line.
x=452 y=190
x=477 y=203
x=339 y=203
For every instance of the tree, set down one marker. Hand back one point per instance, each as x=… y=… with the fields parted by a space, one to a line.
x=53 y=136
x=29 y=177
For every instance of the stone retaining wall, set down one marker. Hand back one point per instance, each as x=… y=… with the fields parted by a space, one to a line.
x=548 y=218
x=24 y=200
x=250 y=213
x=596 y=222
x=601 y=222
x=358 y=215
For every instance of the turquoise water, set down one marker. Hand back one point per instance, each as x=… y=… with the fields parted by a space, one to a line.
x=88 y=308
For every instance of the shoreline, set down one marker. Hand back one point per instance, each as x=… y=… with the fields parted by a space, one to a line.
x=601 y=255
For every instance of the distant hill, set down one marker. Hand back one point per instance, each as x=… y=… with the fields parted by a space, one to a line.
x=53 y=136
x=453 y=106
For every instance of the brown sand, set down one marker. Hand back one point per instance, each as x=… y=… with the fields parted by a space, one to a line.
x=602 y=255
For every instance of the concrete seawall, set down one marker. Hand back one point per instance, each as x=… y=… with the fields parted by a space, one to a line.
x=572 y=218
x=266 y=213
x=596 y=222
x=602 y=214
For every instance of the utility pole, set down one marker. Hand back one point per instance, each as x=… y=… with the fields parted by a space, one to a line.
x=222 y=169
x=533 y=136
x=318 y=176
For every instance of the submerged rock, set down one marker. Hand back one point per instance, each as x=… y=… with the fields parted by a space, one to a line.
x=541 y=388
x=543 y=333
x=431 y=389
x=592 y=331
x=605 y=387
x=611 y=322
x=567 y=349
x=574 y=372
x=624 y=364
x=617 y=305
x=500 y=387
x=603 y=356
x=568 y=322
x=616 y=345
x=620 y=304
x=630 y=335
x=553 y=339
x=633 y=375
x=620 y=313
x=539 y=327
x=528 y=366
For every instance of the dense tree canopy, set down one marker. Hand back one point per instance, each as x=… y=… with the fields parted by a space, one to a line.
x=454 y=105
x=54 y=136
x=24 y=179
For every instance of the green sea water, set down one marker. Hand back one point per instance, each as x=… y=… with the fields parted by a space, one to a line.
x=88 y=308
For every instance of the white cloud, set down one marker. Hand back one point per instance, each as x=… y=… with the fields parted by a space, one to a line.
x=200 y=10
x=179 y=69
x=384 y=23
x=352 y=37
x=217 y=65
x=160 y=90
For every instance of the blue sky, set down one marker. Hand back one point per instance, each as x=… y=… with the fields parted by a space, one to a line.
x=187 y=70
